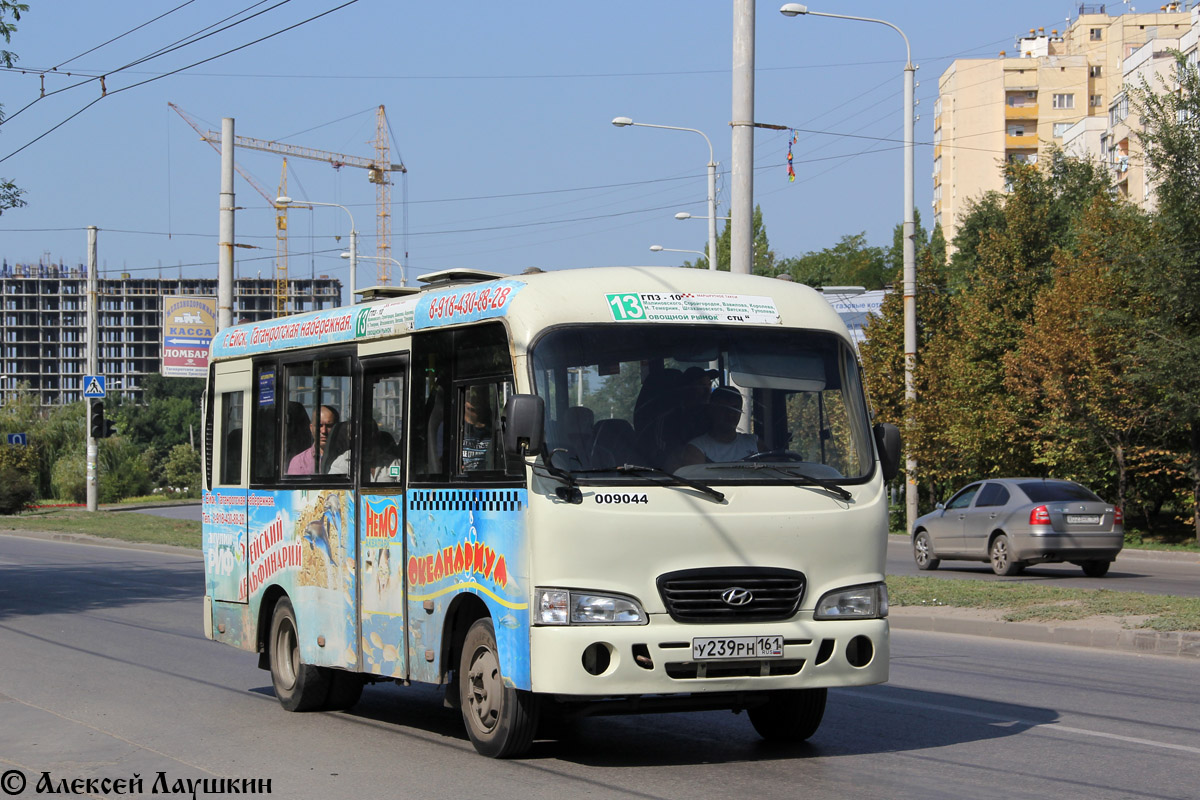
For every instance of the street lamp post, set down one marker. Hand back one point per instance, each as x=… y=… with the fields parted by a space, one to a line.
x=910 y=252
x=286 y=201
x=381 y=259
x=625 y=122
x=658 y=248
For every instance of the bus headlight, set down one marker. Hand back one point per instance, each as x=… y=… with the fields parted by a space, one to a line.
x=567 y=607
x=869 y=601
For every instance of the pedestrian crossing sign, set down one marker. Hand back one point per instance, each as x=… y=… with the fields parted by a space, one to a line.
x=93 y=386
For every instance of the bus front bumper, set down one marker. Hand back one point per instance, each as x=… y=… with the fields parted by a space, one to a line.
x=605 y=661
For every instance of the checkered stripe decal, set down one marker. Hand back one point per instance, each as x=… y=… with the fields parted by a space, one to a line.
x=465 y=500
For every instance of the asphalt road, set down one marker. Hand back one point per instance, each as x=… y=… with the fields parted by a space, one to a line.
x=104 y=673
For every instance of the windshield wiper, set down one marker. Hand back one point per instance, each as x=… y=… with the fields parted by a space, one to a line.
x=631 y=469
x=799 y=478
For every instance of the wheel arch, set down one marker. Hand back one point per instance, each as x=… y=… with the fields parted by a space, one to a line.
x=266 y=608
x=463 y=611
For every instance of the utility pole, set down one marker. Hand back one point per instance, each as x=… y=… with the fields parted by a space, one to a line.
x=92 y=365
x=225 y=229
x=741 y=209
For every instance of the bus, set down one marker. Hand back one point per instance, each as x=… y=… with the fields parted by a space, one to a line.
x=580 y=492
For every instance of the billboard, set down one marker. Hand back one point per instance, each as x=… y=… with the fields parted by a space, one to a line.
x=189 y=324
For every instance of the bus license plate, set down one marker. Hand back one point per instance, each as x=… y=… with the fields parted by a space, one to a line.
x=1083 y=519
x=723 y=647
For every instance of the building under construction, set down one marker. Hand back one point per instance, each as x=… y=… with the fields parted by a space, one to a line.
x=43 y=326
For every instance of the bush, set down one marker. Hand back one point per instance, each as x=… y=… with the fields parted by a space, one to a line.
x=17 y=491
x=69 y=478
x=181 y=470
x=122 y=471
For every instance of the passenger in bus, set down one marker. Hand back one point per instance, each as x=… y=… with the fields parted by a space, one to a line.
x=722 y=442
x=478 y=431
x=298 y=434
x=305 y=462
x=379 y=454
x=337 y=450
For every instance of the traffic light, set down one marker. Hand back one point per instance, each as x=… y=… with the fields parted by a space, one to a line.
x=96 y=421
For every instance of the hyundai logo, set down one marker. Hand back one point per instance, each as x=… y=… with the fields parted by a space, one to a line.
x=736 y=596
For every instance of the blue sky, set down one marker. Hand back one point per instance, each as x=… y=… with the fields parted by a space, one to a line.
x=500 y=111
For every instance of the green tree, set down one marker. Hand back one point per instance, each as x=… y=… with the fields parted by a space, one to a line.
x=1086 y=418
x=850 y=262
x=168 y=415
x=764 y=257
x=1169 y=339
x=10 y=195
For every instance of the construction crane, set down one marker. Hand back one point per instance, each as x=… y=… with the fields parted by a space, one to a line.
x=378 y=173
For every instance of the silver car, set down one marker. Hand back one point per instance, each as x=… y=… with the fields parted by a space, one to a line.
x=1014 y=522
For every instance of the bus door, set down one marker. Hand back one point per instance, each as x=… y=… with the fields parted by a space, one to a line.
x=224 y=511
x=382 y=549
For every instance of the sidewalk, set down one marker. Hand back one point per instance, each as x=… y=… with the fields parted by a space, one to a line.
x=1110 y=633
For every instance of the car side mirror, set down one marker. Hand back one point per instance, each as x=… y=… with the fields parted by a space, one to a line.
x=522 y=425
x=887 y=439
x=941 y=506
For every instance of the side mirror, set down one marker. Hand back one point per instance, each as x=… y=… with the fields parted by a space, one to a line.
x=941 y=506
x=522 y=425
x=887 y=439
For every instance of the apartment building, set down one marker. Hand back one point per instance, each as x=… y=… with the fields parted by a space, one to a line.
x=43 y=324
x=1053 y=90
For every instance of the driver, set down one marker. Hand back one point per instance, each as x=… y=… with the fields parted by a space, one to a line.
x=722 y=442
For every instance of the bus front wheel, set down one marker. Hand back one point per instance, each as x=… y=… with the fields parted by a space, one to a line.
x=499 y=719
x=299 y=686
x=789 y=716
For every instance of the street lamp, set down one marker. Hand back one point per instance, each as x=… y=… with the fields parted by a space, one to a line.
x=624 y=122
x=910 y=252
x=686 y=215
x=658 y=248
x=287 y=201
x=381 y=259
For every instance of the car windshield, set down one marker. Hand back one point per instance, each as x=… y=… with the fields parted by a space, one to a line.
x=704 y=403
x=1050 y=491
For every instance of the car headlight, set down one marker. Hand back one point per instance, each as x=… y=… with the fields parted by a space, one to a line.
x=869 y=601
x=567 y=607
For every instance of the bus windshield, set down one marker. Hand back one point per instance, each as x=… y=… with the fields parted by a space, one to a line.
x=711 y=403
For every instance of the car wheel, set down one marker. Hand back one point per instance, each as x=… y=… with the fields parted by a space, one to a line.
x=1001 y=554
x=923 y=551
x=499 y=719
x=299 y=686
x=1095 y=569
x=789 y=716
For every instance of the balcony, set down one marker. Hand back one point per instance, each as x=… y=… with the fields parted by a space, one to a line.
x=1020 y=142
x=1021 y=112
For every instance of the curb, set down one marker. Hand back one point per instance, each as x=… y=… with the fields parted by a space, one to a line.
x=1159 y=643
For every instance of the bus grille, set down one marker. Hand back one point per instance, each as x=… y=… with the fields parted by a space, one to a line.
x=732 y=594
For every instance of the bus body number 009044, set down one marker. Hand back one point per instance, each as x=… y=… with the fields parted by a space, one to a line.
x=620 y=498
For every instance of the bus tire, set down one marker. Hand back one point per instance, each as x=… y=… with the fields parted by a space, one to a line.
x=499 y=719
x=299 y=686
x=789 y=716
x=345 y=690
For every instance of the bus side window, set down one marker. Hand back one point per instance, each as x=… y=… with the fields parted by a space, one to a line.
x=480 y=406
x=383 y=427
x=231 y=441
x=264 y=435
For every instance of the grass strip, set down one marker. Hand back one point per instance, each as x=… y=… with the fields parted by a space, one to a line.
x=124 y=525
x=1024 y=602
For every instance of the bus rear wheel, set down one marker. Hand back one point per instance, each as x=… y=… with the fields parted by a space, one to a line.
x=789 y=716
x=299 y=686
x=500 y=720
